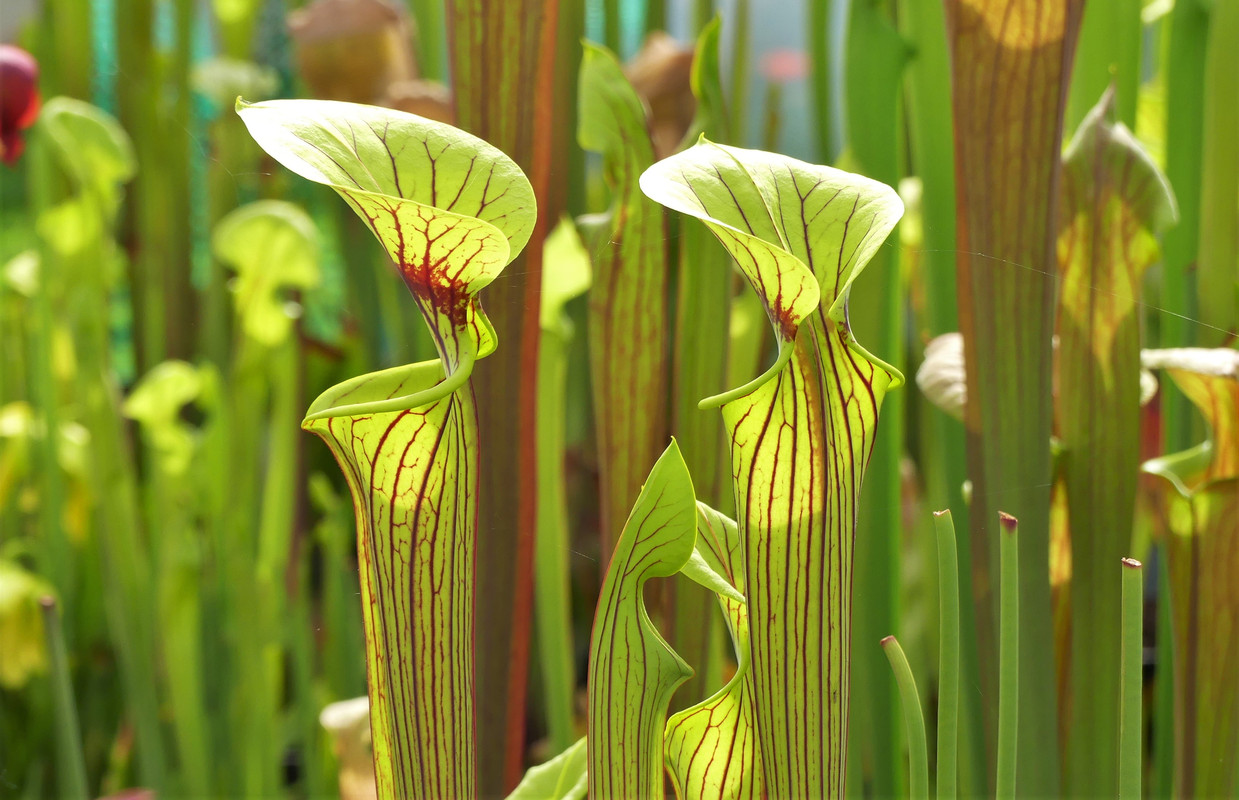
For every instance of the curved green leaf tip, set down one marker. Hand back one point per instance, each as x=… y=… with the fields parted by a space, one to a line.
x=799 y=232
x=451 y=210
x=633 y=672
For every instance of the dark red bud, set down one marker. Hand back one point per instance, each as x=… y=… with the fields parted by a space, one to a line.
x=19 y=99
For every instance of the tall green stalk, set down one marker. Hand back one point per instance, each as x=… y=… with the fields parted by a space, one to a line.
x=949 y=658
x=506 y=81
x=1008 y=659
x=71 y=779
x=567 y=274
x=876 y=58
x=1131 y=719
x=1010 y=60
x=914 y=720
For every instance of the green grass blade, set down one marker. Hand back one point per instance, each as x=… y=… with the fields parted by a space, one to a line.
x=1009 y=659
x=1108 y=54
x=71 y=778
x=1184 y=71
x=1131 y=718
x=702 y=319
x=949 y=660
x=876 y=55
x=914 y=719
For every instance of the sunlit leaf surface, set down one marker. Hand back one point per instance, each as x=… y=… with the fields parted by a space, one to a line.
x=628 y=301
x=800 y=434
x=451 y=211
x=632 y=670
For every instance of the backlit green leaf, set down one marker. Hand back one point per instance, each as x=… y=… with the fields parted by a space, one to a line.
x=632 y=670
x=272 y=245
x=628 y=302
x=561 y=778
x=800 y=435
x=711 y=748
x=451 y=211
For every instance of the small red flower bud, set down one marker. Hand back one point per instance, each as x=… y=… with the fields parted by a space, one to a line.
x=19 y=99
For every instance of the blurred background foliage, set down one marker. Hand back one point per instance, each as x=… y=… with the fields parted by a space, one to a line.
x=171 y=301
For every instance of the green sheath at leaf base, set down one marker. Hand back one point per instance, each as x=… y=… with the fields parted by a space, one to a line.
x=452 y=211
x=800 y=434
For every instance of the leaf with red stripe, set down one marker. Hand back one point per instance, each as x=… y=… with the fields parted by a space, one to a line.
x=711 y=748
x=628 y=300
x=451 y=211
x=800 y=434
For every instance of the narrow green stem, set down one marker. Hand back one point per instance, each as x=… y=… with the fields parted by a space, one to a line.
x=740 y=72
x=918 y=749
x=1008 y=656
x=948 y=657
x=72 y=768
x=552 y=591
x=1130 y=724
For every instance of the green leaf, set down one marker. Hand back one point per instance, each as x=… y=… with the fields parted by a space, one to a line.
x=272 y=245
x=413 y=477
x=156 y=403
x=1010 y=63
x=628 y=304
x=561 y=778
x=21 y=625
x=711 y=748
x=1114 y=203
x=451 y=210
x=1202 y=551
x=91 y=147
x=800 y=435
x=632 y=670
x=565 y=274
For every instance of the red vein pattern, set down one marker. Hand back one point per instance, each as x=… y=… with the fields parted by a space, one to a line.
x=628 y=301
x=414 y=483
x=632 y=671
x=799 y=442
x=711 y=748
x=452 y=211
x=507 y=81
x=1114 y=203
